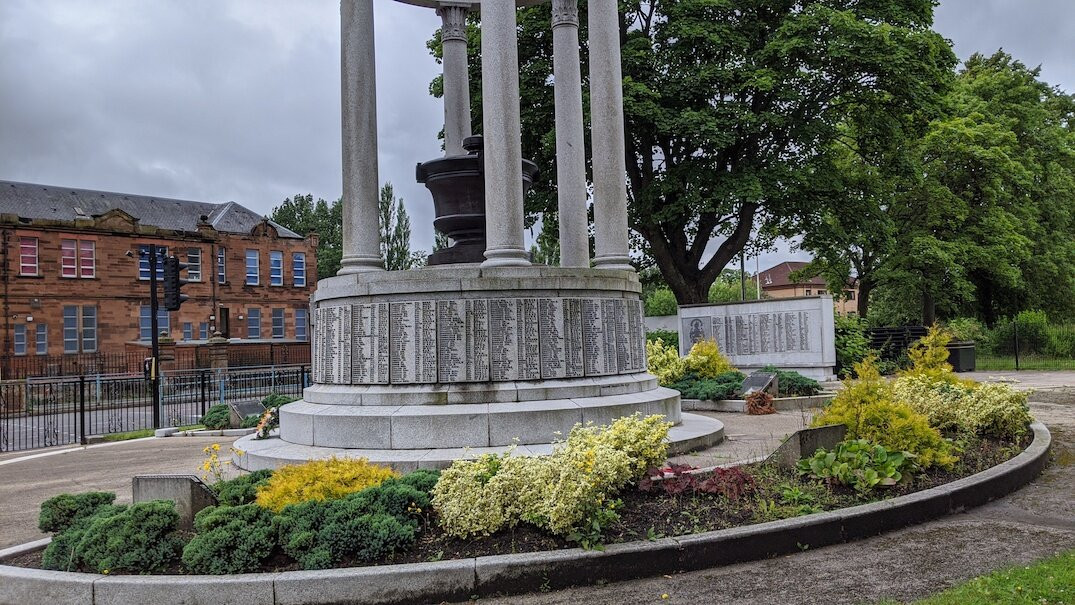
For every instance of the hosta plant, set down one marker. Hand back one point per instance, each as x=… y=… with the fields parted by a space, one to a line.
x=858 y=464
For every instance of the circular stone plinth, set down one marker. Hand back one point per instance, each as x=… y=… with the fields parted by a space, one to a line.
x=693 y=432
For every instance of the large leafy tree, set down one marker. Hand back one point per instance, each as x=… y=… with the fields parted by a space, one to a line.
x=730 y=106
x=303 y=215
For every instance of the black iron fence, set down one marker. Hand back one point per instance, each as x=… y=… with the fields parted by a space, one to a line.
x=1008 y=346
x=38 y=413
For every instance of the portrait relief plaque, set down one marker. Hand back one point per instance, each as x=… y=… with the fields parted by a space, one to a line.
x=551 y=337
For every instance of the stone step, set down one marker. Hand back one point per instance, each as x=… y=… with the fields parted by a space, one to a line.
x=462 y=425
x=692 y=433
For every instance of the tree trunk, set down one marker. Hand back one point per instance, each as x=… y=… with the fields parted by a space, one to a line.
x=863 y=303
x=929 y=309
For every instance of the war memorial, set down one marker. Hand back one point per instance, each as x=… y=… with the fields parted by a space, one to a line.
x=481 y=350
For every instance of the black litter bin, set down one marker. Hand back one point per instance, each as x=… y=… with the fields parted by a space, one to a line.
x=961 y=355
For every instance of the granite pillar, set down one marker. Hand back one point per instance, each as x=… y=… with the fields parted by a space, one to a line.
x=502 y=133
x=453 y=37
x=361 y=235
x=570 y=143
x=606 y=116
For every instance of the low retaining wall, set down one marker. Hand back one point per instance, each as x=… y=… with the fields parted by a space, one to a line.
x=782 y=404
x=525 y=572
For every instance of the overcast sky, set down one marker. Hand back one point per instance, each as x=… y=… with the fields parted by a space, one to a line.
x=219 y=100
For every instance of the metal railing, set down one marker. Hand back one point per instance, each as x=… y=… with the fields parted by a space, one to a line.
x=37 y=413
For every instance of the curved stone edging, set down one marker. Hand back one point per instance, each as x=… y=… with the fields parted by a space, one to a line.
x=512 y=574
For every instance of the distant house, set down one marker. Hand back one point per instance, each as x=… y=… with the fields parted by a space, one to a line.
x=777 y=283
x=75 y=280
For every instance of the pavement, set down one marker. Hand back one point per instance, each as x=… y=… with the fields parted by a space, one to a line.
x=1034 y=522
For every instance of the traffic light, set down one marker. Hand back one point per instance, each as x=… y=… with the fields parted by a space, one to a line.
x=172 y=283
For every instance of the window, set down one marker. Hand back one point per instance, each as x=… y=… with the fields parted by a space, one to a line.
x=42 y=339
x=89 y=329
x=194 y=264
x=143 y=261
x=73 y=331
x=77 y=258
x=276 y=268
x=808 y=292
x=252 y=260
x=298 y=269
x=145 y=322
x=277 y=323
x=28 y=256
x=188 y=331
x=221 y=275
x=203 y=331
x=70 y=329
x=820 y=292
x=300 y=324
x=20 y=339
x=850 y=294
x=253 y=323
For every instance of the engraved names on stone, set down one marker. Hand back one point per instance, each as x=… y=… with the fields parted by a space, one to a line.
x=529 y=355
x=503 y=340
x=476 y=312
x=593 y=350
x=762 y=333
x=412 y=342
x=551 y=337
x=463 y=340
x=370 y=348
x=636 y=335
x=574 y=347
x=335 y=344
x=624 y=351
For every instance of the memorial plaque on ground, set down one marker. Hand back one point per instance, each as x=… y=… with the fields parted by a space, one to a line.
x=789 y=333
x=760 y=381
x=242 y=409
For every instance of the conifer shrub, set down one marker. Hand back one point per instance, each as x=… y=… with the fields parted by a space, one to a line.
x=141 y=538
x=664 y=362
x=217 y=417
x=61 y=552
x=706 y=361
x=793 y=383
x=61 y=512
x=422 y=480
x=869 y=408
x=230 y=539
x=319 y=480
x=242 y=489
x=724 y=386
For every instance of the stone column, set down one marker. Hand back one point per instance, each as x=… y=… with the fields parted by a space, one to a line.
x=503 y=154
x=453 y=39
x=361 y=235
x=570 y=141
x=606 y=134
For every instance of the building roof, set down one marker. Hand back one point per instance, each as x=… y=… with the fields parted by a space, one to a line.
x=48 y=202
x=777 y=276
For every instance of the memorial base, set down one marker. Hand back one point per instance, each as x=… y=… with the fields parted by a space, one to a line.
x=413 y=369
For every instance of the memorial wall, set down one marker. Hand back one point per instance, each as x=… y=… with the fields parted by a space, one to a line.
x=477 y=340
x=790 y=333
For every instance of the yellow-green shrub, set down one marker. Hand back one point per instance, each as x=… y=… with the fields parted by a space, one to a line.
x=319 y=480
x=706 y=361
x=869 y=409
x=929 y=356
x=558 y=492
x=997 y=410
x=940 y=401
x=664 y=362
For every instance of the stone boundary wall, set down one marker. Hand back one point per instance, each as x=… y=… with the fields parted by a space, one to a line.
x=459 y=580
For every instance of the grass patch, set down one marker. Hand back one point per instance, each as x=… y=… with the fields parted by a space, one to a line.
x=993 y=363
x=1047 y=582
x=143 y=433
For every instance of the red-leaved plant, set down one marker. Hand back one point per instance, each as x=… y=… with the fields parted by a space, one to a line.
x=732 y=483
x=760 y=402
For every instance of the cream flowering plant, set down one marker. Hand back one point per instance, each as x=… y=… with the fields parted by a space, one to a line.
x=568 y=493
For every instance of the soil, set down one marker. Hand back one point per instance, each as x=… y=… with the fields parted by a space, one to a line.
x=776 y=494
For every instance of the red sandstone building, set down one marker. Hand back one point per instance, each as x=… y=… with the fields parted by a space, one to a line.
x=777 y=282
x=74 y=281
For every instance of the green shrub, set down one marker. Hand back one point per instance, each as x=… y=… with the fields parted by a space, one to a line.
x=321 y=534
x=968 y=329
x=61 y=512
x=942 y=402
x=421 y=480
x=664 y=362
x=705 y=360
x=250 y=421
x=725 y=386
x=60 y=554
x=793 y=383
x=661 y=302
x=998 y=410
x=858 y=464
x=217 y=417
x=852 y=345
x=1034 y=333
x=141 y=538
x=668 y=336
x=242 y=489
x=230 y=539
x=276 y=400
x=869 y=408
